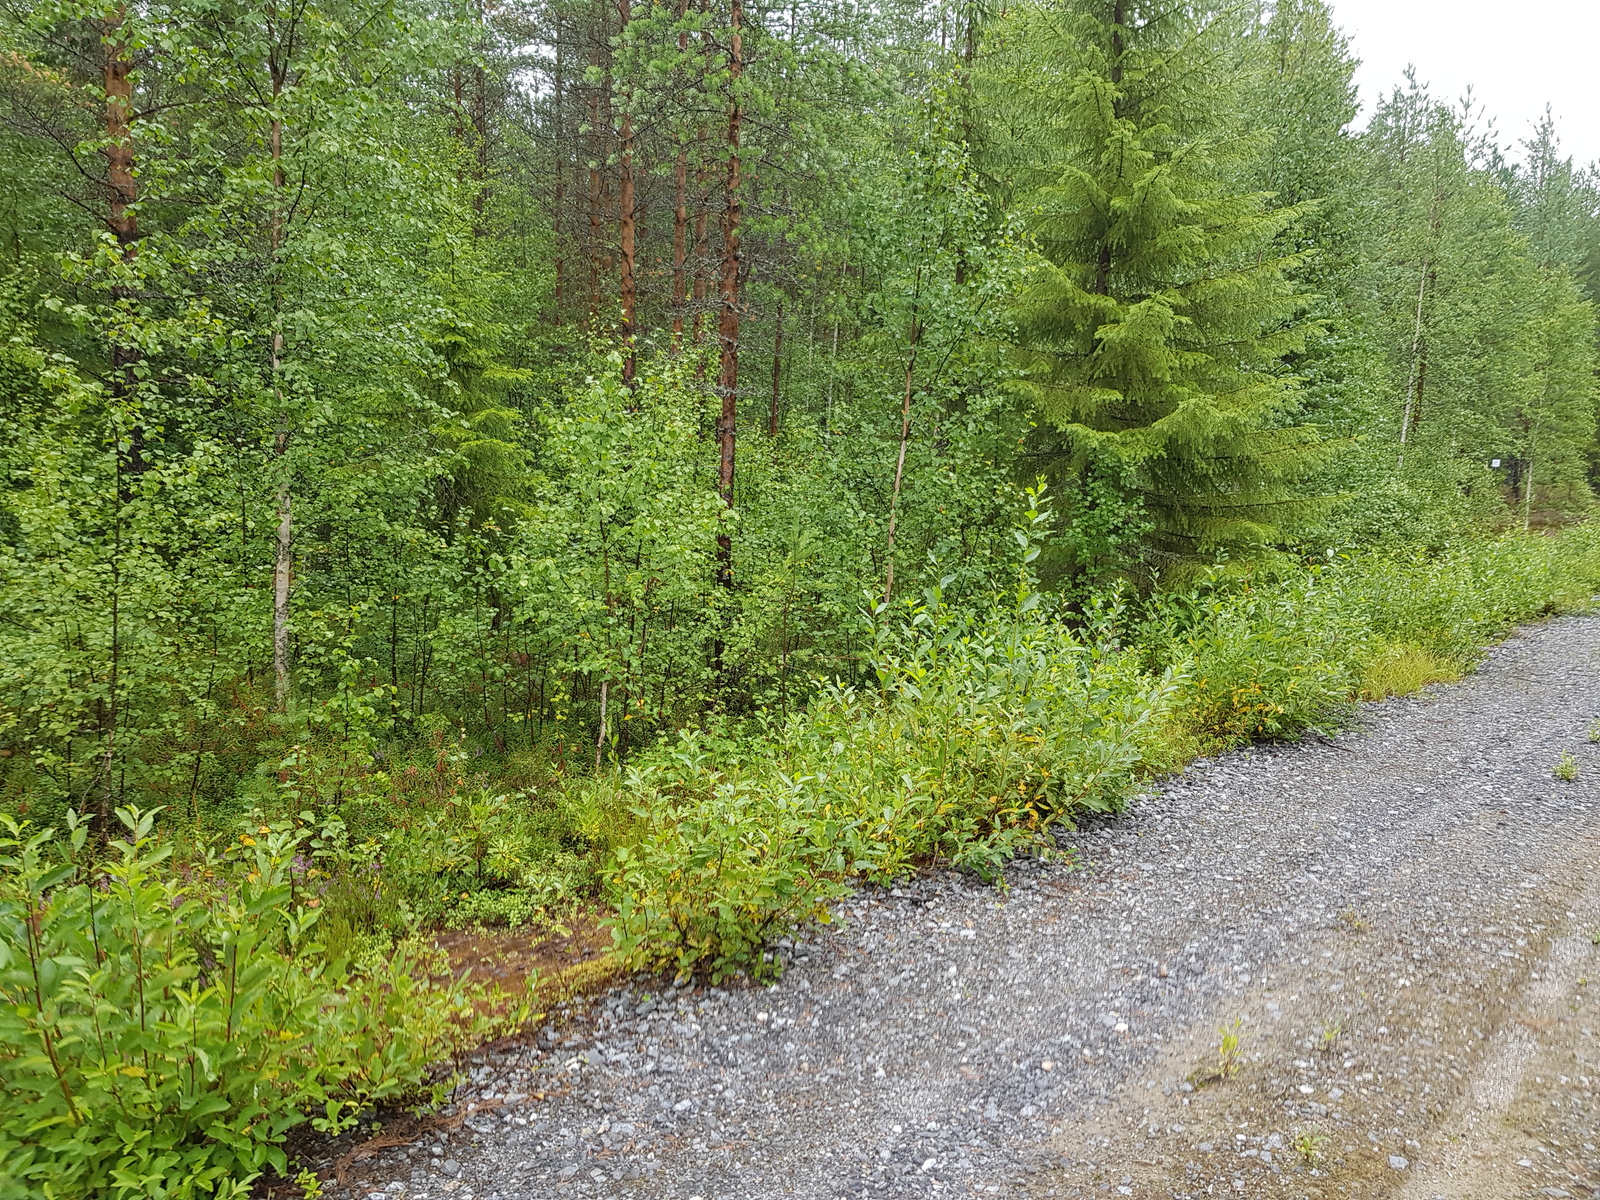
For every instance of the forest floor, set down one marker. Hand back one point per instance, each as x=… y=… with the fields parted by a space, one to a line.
x=1398 y=923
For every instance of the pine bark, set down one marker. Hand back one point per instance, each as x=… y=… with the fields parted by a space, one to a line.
x=627 y=230
x=559 y=163
x=680 y=213
x=728 y=324
x=595 y=152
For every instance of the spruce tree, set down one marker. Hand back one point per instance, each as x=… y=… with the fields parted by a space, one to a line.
x=1153 y=333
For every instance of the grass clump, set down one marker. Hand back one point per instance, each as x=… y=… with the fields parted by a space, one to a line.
x=1404 y=670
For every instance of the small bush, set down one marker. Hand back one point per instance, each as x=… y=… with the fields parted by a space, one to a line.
x=1265 y=663
x=163 y=1027
x=718 y=873
x=984 y=730
x=979 y=729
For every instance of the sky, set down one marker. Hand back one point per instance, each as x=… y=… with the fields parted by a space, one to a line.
x=1516 y=57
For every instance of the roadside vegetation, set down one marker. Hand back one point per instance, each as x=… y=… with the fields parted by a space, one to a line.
x=665 y=466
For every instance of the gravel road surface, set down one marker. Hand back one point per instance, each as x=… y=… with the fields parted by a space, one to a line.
x=1397 y=925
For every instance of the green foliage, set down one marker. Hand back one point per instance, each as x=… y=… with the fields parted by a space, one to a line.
x=1155 y=324
x=983 y=731
x=165 y=1025
x=1266 y=657
x=721 y=869
x=337 y=499
x=429 y=840
x=1308 y=1144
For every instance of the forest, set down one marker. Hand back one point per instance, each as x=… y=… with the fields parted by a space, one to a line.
x=671 y=463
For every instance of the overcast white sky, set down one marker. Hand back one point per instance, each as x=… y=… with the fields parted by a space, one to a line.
x=1517 y=57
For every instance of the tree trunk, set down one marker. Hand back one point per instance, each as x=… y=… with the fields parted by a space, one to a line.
x=680 y=236
x=626 y=230
x=1527 y=493
x=680 y=212
x=777 y=373
x=480 y=140
x=594 y=200
x=283 y=550
x=701 y=251
x=1412 y=391
x=728 y=325
x=559 y=162
x=123 y=221
x=900 y=459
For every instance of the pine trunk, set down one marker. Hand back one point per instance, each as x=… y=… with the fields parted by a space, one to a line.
x=593 y=254
x=680 y=212
x=680 y=237
x=728 y=325
x=123 y=221
x=559 y=163
x=626 y=229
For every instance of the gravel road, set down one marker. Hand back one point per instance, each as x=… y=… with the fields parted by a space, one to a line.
x=1396 y=924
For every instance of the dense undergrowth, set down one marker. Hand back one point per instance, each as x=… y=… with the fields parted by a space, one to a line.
x=166 y=1024
x=987 y=730
x=173 y=1005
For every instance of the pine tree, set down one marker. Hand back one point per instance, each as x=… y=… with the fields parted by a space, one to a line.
x=1557 y=207
x=1153 y=333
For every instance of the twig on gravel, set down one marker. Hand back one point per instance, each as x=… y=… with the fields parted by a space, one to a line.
x=416 y=1129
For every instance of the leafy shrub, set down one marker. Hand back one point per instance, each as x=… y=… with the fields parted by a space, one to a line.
x=163 y=1027
x=983 y=731
x=720 y=869
x=1257 y=662
x=427 y=841
x=1271 y=657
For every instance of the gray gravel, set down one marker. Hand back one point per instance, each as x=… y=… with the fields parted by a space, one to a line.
x=1372 y=913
